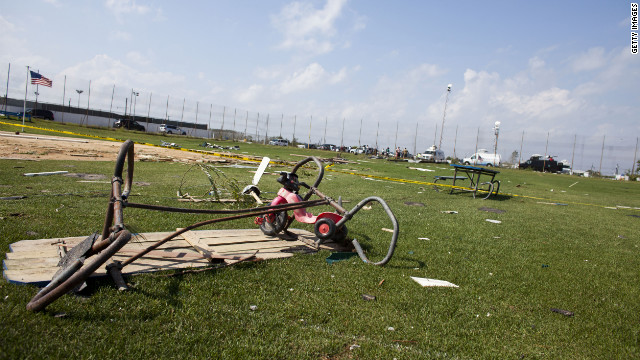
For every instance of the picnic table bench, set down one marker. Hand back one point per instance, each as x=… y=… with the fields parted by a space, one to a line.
x=473 y=174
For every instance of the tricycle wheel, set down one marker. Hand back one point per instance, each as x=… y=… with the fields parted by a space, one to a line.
x=273 y=223
x=325 y=228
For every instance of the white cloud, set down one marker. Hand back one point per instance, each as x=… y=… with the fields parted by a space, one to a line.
x=304 y=79
x=593 y=59
x=249 y=94
x=120 y=7
x=118 y=35
x=314 y=75
x=137 y=58
x=307 y=28
x=103 y=70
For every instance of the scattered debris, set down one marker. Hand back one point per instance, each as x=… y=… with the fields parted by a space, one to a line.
x=46 y=173
x=381 y=282
x=19 y=197
x=574 y=183
x=487 y=209
x=31 y=233
x=253 y=307
x=390 y=328
x=424 y=282
x=169 y=145
x=420 y=169
x=354 y=346
x=621 y=237
x=387 y=230
x=424 y=238
x=563 y=312
x=368 y=297
x=219 y=147
x=449 y=212
x=550 y=203
x=494 y=221
x=413 y=203
x=368 y=207
x=60 y=315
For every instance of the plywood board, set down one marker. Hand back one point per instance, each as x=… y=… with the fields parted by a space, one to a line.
x=35 y=261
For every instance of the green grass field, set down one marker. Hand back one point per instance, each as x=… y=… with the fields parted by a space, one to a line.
x=580 y=257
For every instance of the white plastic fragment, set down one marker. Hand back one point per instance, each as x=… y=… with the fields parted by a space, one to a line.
x=253 y=307
x=46 y=173
x=424 y=282
x=494 y=221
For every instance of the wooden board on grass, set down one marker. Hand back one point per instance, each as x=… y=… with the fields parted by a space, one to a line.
x=36 y=261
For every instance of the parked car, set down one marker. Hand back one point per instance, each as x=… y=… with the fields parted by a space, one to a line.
x=483 y=158
x=432 y=154
x=128 y=124
x=542 y=163
x=171 y=129
x=279 y=142
x=329 y=147
x=39 y=113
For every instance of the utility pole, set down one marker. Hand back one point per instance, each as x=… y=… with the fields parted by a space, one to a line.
x=309 y=143
x=521 y=141
x=633 y=167
x=415 y=140
x=360 y=136
x=455 y=141
x=324 y=140
x=544 y=161
x=342 y=137
x=444 y=114
x=295 y=119
x=601 y=154
x=573 y=152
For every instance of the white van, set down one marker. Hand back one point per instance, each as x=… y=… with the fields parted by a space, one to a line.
x=432 y=154
x=279 y=142
x=483 y=158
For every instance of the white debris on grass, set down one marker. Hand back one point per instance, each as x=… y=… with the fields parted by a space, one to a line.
x=494 y=221
x=424 y=282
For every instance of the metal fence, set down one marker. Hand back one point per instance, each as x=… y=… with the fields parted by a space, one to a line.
x=79 y=101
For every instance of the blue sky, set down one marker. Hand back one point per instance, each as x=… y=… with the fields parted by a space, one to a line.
x=558 y=67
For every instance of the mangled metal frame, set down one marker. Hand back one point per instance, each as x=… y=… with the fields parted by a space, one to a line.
x=86 y=257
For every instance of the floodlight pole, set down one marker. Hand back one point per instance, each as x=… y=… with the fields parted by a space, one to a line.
x=444 y=115
x=601 y=154
x=573 y=152
x=80 y=92
x=635 y=154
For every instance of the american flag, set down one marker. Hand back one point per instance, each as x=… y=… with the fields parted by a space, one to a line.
x=38 y=79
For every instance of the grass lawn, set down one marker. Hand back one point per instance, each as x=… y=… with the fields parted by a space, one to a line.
x=580 y=257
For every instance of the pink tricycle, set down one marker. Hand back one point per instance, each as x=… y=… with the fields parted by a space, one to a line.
x=328 y=225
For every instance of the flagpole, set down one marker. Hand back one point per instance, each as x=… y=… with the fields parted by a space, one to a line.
x=24 y=104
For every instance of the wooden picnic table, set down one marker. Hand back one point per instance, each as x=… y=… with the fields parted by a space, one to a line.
x=473 y=174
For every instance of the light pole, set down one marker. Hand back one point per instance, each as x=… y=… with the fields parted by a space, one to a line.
x=134 y=103
x=496 y=130
x=444 y=114
x=37 y=93
x=79 y=92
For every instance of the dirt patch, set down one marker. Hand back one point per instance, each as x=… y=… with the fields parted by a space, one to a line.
x=49 y=147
